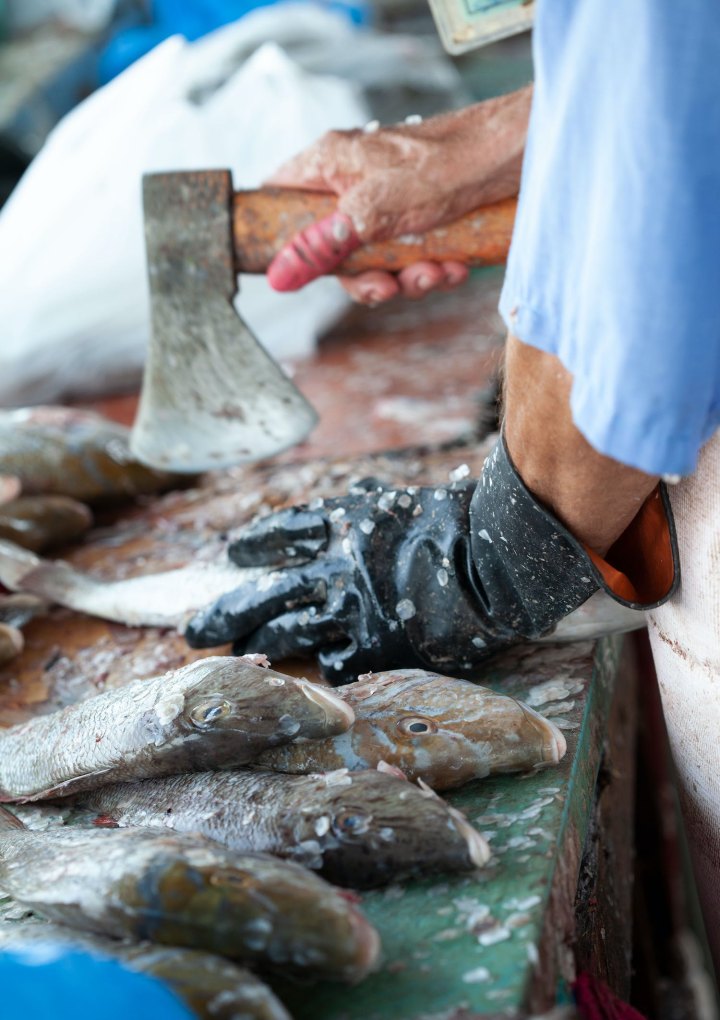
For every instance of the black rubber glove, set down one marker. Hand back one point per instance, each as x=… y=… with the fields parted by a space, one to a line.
x=438 y=578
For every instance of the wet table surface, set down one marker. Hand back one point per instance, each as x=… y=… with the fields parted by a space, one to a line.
x=401 y=380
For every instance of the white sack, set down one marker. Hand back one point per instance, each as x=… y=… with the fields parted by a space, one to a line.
x=73 y=301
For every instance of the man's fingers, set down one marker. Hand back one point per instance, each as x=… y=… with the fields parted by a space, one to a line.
x=282 y=539
x=371 y=288
x=298 y=633
x=419 y=279
x=315 y=251
x=456 y=273
x=244 y=610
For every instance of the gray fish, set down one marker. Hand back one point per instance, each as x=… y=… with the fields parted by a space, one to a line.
x=214 y=713
x=170 y=597
x=166 y=599
x=212 y=987
x=185 y=890
x=360 y=830
x=444 y=731
x=65 y=451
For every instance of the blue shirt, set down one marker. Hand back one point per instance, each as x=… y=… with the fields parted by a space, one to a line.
x=615 y=260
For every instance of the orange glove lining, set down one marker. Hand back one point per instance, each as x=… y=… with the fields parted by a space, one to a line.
x=639 y=566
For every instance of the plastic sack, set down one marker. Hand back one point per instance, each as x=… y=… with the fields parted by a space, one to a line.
x=74 y=316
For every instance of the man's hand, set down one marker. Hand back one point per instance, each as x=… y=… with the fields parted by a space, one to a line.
x=438 y=578
x=410 y=178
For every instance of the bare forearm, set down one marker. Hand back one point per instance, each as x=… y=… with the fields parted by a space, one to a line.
x=482 y=145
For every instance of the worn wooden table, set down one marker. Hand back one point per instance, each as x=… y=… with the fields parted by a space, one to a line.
x=497 y=942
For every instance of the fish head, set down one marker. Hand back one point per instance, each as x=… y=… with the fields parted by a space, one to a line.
x=232 y=695
x=446 y=731
x=367 y=828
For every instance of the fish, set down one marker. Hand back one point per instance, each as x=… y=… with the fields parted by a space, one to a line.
x=68 y=452
x=165 y=599
x=444 y=731
x=216 y=712
x=360 y=829
x=169 y=598
x=212 y=987
x=40 y=522
x=185 y=890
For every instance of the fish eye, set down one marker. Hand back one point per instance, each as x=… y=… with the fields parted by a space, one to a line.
x=417 y=726
x=351 y=823
x=208 y=712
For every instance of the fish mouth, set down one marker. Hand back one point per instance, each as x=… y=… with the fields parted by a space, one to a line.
x=477 y=846
x=368 y=944
x=334 y=707
x=554 y=744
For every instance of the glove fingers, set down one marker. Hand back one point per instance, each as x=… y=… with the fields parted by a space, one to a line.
x=296 y=633
x=284 y=538
x=242 y=611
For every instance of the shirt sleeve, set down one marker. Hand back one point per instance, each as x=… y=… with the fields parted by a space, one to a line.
x=615 y=260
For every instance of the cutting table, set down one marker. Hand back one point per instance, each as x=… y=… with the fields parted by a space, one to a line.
x=399 y=392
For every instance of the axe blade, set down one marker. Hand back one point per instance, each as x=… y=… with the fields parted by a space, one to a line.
x=211 y=395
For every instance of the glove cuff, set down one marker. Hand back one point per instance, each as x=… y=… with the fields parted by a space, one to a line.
x=530 y=571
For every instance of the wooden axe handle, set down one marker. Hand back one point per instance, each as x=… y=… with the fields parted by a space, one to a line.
x=264 y=220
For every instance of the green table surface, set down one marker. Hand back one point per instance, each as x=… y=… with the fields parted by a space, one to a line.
x=475 y=946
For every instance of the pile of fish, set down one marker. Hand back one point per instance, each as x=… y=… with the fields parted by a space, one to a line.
x=53 y=462
x=215 y=818
x=209 y=810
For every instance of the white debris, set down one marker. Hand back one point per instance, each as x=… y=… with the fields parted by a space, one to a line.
x=442 y=577
x=471 y=977
x=484 y=536
x=337 y=514
x=552 y=690
x=440 y=494
x=493 y=935
x=457 y=475
x=322 y=825
x=405 y=609
x=367 y=526
x=405 y=501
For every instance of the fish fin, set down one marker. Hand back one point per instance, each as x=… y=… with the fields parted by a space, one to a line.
x=8 y=821
x=390 y=770
x=63 y=789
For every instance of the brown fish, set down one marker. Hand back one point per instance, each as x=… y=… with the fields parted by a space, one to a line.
x=358 y=829
x=40 y=522
x=214 y=713
x=432 y=727
x=185 y=890
x=212 y=987
x=69 y=452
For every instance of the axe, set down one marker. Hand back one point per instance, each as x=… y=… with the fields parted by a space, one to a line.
x=211 y=395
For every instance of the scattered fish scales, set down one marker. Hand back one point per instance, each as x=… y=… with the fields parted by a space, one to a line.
x=212 y=987
x=216 y=712
x=431 y=727
x=359 y=835
x=185 y=890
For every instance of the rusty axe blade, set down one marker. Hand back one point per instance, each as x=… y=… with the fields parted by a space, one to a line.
x=211 y=395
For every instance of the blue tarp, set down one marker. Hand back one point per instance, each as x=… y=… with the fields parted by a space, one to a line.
x=44 y=983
